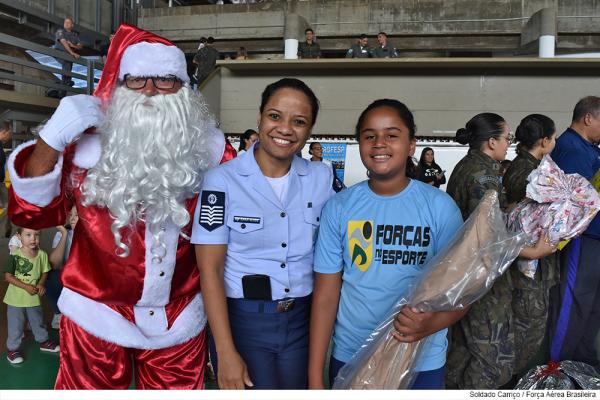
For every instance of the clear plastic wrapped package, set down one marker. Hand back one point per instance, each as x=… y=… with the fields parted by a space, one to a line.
x=457 y=276
x=559 y=205
x=560 y=376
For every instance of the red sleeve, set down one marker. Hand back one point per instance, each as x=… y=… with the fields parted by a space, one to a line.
x=229 y=153
x=25 y=214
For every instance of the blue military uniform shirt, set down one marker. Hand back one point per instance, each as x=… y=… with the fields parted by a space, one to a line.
x=574 y=154
x=263 y=235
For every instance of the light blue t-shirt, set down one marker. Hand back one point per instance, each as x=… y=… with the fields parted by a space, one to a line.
x=381 y=243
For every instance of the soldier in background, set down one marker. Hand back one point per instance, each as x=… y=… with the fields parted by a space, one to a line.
x=383 y=50
x=537 y=136
x=481 y=353
x=310 y=48
x=360 y=49
x=67 y=40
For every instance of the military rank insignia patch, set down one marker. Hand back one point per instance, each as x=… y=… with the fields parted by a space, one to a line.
x=212 y=210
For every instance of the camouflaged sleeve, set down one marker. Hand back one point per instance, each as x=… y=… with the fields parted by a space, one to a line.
x=482 y=182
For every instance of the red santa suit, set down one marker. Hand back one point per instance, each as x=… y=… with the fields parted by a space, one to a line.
x=117 y=308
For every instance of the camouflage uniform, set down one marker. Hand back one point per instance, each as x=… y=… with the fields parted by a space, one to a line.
x=530 y=296
x=472 y=176
x=482 y=344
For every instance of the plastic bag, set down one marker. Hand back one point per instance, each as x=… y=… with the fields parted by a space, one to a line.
x=562 y=205
x=457 y=276
x=563 y=375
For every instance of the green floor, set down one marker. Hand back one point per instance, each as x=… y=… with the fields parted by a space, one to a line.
x=38 y=371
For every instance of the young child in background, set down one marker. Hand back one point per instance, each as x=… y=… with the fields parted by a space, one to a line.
x=373 y=241
x=26 y=274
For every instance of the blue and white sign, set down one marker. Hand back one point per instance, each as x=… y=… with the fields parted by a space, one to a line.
x=336 y=153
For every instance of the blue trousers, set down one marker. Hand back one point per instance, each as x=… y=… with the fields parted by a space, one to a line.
x=426 y=380
x=574 y=317
x=273 y=345
x=54 y=288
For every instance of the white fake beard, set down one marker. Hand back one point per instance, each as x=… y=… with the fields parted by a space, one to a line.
x=153 y=152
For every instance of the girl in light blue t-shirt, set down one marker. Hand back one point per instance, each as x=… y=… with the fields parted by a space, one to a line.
x=373 y=241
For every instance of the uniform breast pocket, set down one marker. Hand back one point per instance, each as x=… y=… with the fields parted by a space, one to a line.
x=312 y=219
x=246 y=231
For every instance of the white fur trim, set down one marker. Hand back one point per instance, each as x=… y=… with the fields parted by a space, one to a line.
x=217 y=146
x=105 y=323
x=158 y=275
x=88 y=151
x=152 y=321
x=39 y=190
x=153 y=59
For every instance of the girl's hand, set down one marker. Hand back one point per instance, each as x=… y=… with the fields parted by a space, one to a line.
x=233 y=373
x=412 y=325
x=542 y=248
x=62 y=229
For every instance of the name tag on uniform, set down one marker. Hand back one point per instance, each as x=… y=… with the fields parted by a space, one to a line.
x=212 y=210
x=247 y=220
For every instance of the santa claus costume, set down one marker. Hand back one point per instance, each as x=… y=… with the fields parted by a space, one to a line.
x=131 y=299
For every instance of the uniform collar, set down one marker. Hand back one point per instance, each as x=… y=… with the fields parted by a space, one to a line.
x=482 y=156
x=247 y=164
x=529 y=157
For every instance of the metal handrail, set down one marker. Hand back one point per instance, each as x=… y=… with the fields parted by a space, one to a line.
x=90 y=65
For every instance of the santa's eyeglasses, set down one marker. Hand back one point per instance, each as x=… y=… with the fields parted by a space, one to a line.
x=160 y=82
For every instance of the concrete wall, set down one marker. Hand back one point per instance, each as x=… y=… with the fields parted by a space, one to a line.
x=434 y=25
x=87 y=12
x=443 y=94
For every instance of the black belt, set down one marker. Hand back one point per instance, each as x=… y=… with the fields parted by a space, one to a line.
x=268 y=306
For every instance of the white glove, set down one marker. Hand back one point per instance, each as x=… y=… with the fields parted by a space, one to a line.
x=74 y=115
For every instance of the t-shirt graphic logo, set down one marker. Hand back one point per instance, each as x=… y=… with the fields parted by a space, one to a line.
x=212 y=210
x=24 y=266
x=360 y=243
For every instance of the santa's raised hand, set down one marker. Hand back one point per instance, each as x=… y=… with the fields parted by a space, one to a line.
x=73 y=116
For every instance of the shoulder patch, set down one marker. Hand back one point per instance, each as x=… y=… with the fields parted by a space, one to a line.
x=212 y=210
x=488 y=179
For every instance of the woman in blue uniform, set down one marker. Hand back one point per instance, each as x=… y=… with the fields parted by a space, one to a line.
x=255 y=229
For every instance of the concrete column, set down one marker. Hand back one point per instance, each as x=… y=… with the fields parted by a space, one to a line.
x=546 y=49
x=541 y=30
x=548 y=31
x=291 y=49
x=293 y=30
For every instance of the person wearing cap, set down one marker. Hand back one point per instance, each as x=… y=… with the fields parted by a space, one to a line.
x=360 y=49
x=130 y=159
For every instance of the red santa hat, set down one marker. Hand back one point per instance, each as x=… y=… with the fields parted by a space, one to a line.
x=138 y=52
